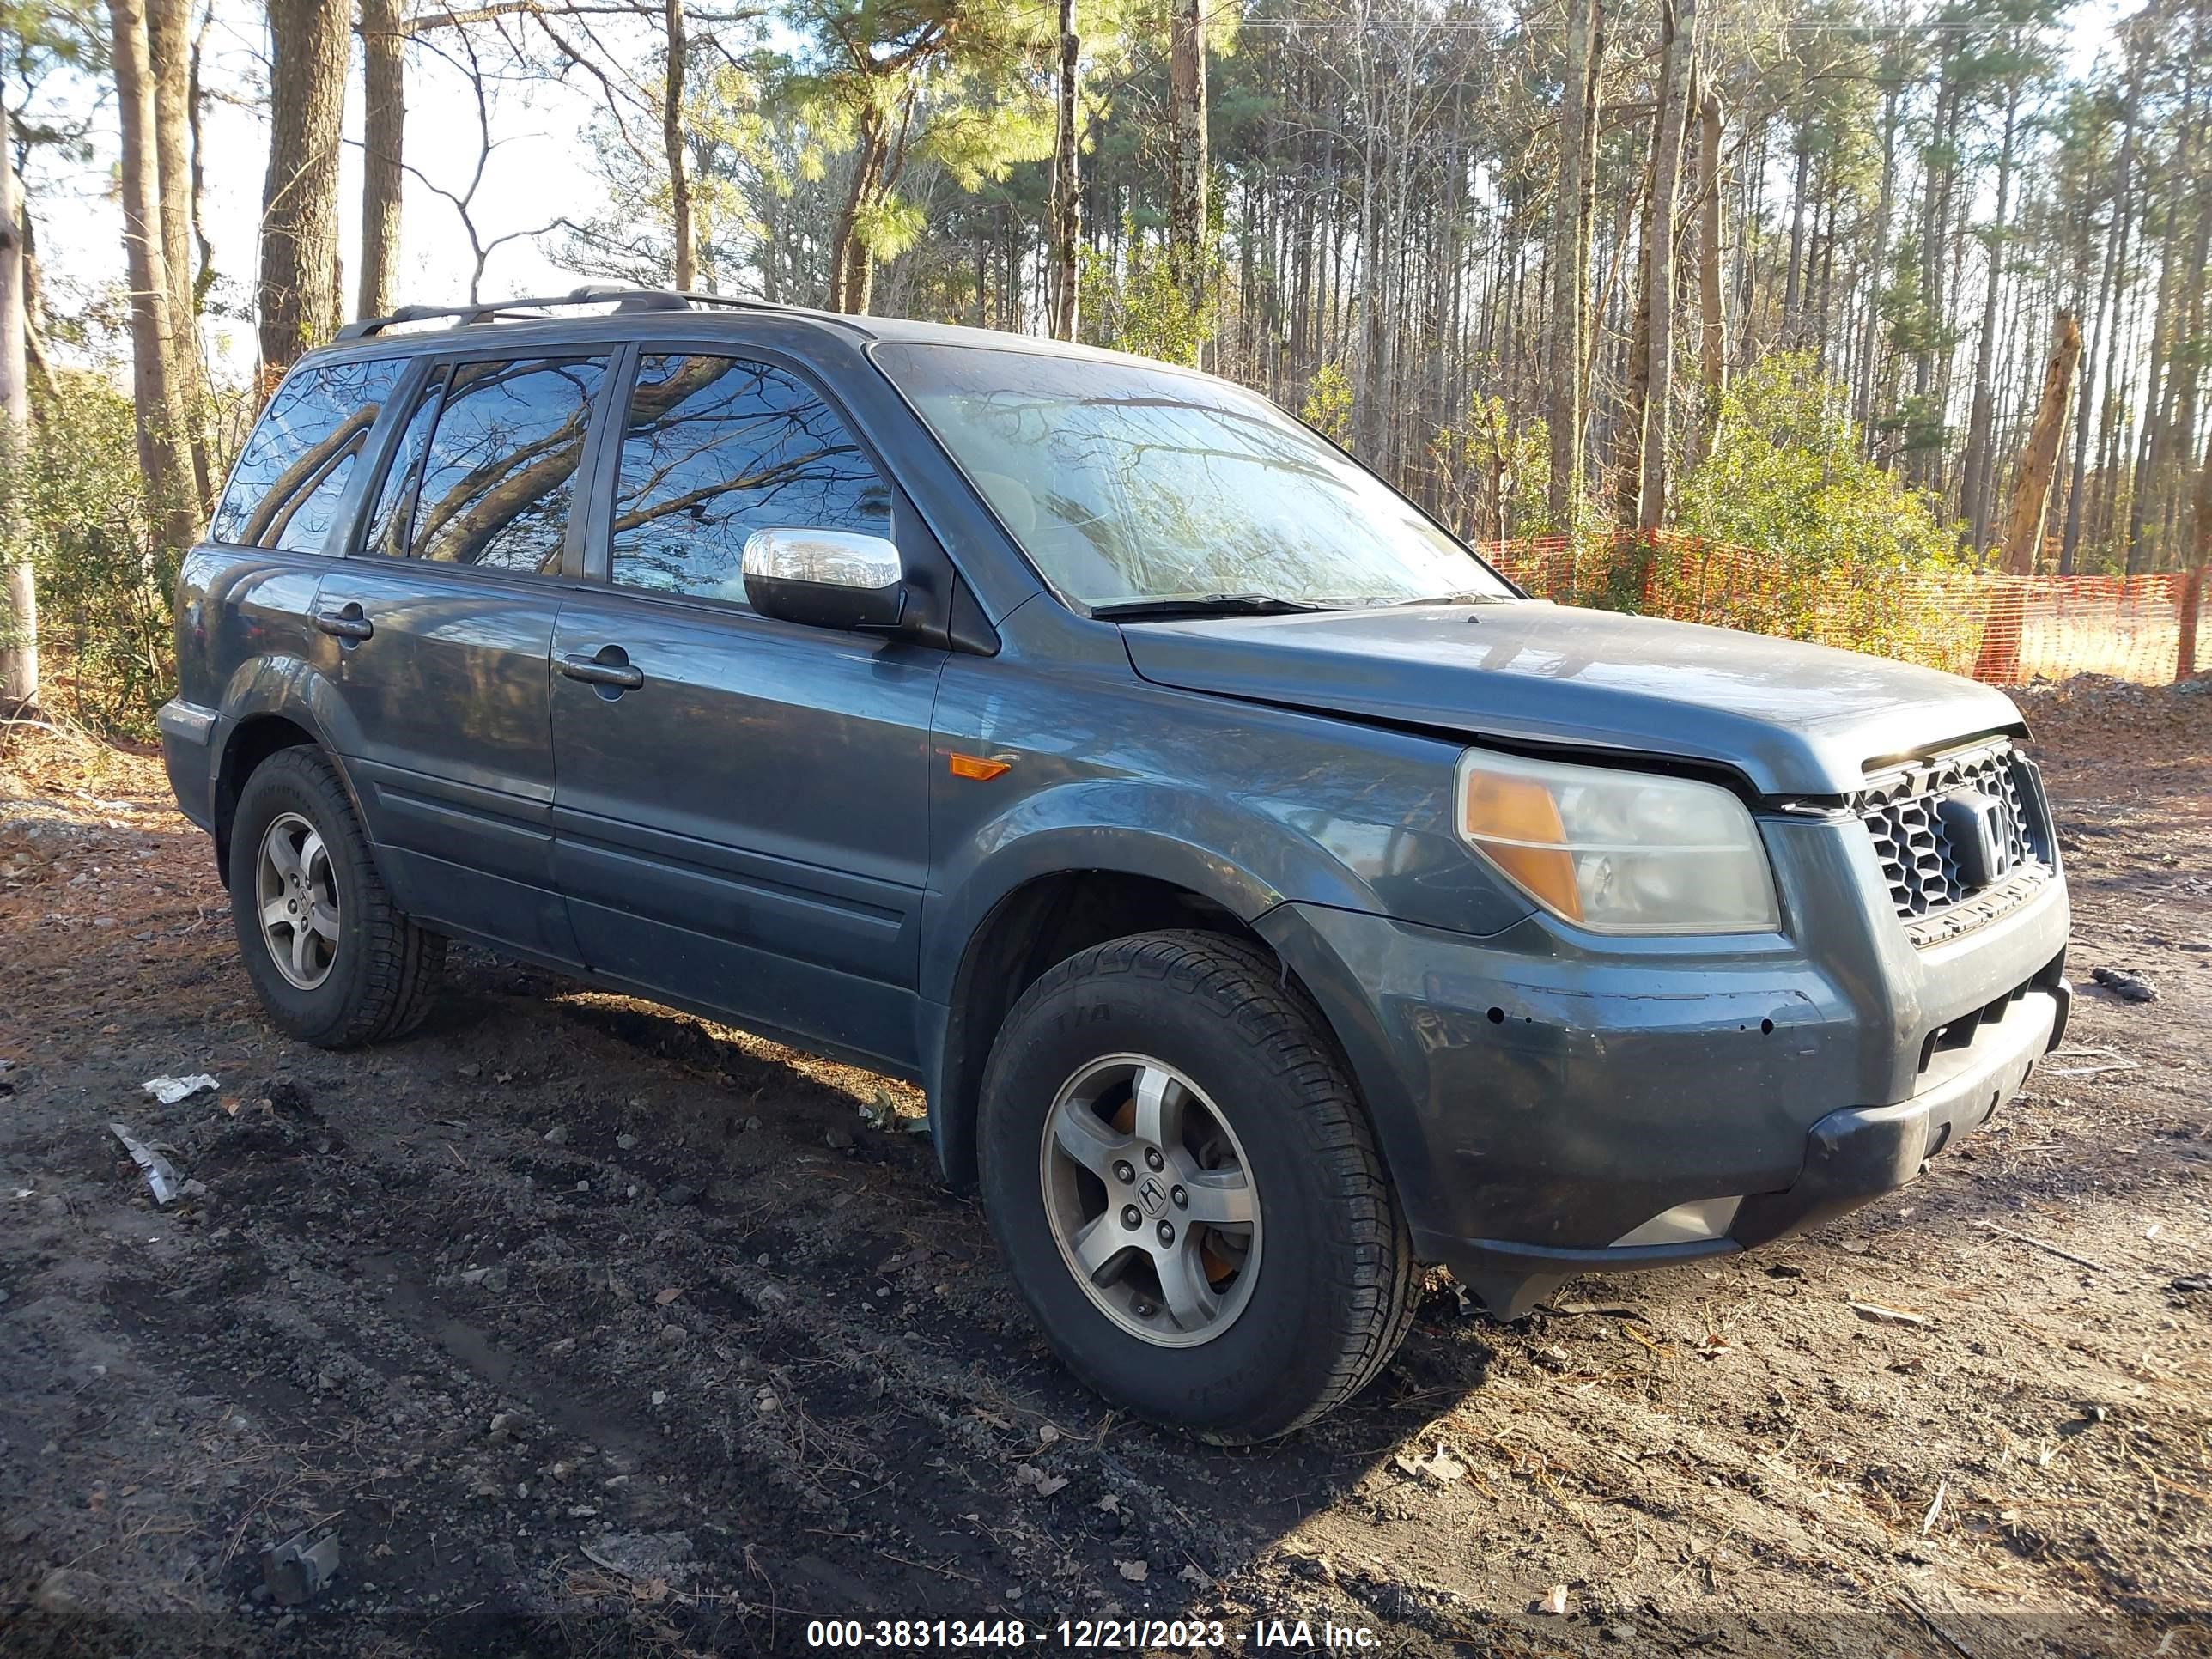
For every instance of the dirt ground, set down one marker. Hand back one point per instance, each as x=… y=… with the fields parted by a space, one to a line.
x=589 y=1328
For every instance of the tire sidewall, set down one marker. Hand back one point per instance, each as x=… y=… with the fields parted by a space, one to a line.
x=1258 y=1376
x=296 y=781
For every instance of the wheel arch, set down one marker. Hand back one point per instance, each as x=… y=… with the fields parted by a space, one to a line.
x=1035 y=925
x=252 y=739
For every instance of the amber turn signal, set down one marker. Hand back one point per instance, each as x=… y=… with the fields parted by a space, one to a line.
x=1515 y=821
x=975 y=767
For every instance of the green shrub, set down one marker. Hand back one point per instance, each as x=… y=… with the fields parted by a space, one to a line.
x=1140 y=308
x=1327 y=407
x=105 y=586
x=1786 y=527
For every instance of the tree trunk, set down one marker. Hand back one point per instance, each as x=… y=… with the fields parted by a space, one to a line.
x=1066 y=185
x=1980 y=437
x=298 y=297
x=165 y=456
x=1628 y=440
x=1713 y=322
x=2105 y=319
x=1924 y=433
x=169 y=50
x=168 y=24
x=1571 y=266
x=2200 y=560
x=1678 y=31
x=1793 y=289
x=383 y=144
x=852 y=262
x=1368 y=281
x=1187 y=197
x=1878 y=268
x=2038 y=461
x=2189 y=368
x=196 y=109
x=18 y=616
x=1586 y=224
x=671 y=140
x=2171 y=356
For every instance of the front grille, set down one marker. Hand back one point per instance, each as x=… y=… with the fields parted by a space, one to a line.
x=1902 y=812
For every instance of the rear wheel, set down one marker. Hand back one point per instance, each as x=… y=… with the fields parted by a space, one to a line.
x=1188 y=1191
x=335 y=964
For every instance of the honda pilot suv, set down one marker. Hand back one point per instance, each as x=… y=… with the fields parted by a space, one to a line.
x=1268 y=896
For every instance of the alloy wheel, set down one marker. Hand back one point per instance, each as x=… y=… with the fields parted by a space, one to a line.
x=1150 y=1199
x=297 y=892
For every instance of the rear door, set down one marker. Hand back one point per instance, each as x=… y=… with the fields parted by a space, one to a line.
x=741 y=806
x=441 y=629
x=249 y=642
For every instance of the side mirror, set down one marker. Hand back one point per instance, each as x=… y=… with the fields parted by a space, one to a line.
x=825 y=578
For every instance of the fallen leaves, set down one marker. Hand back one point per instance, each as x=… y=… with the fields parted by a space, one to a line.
x=1044 y=1485
x=1441 y=1469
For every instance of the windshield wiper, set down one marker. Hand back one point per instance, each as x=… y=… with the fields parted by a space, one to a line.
x=1204 y=605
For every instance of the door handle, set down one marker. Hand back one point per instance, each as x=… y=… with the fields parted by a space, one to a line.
x=348 y=624
x=611 y=668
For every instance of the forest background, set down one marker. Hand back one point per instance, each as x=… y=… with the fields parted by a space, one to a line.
x=1875 y=300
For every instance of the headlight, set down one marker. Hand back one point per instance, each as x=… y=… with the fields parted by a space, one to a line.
x=1619 y=852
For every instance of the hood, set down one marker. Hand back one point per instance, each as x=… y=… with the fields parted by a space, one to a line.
x=1795 y=719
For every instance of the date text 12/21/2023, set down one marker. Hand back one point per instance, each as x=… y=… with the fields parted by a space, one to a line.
x=1089 y=1635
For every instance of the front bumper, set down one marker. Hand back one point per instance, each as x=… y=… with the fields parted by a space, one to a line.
x=1542 y=1097
x=1852 y=1155
x=1864 y=1152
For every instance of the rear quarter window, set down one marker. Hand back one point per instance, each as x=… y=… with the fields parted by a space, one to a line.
x=285 y=492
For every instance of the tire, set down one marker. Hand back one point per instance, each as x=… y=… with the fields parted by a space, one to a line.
x=1323 y=1290
x=366 y=976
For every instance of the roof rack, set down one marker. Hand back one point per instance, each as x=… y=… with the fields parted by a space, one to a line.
x=493 y=311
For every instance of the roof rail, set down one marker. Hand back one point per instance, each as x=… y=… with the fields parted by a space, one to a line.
x=493 y=311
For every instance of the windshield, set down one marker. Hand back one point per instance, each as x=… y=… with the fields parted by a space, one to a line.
x=1127 y=484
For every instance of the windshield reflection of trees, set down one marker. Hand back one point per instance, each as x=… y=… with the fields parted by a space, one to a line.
x=1179 y=497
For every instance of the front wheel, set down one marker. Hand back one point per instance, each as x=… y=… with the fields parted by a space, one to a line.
x=1188 y=1191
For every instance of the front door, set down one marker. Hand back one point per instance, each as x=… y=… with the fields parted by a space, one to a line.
x=741 y=803
x=442 y=621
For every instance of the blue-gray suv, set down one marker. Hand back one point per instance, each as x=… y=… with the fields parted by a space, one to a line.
x=1269 y=896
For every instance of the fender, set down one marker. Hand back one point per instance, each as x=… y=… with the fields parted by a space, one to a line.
x=1111 y=826
x=288 y=688
x=294 y=689
x=1125 y=826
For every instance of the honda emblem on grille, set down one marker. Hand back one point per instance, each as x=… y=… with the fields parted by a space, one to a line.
x=1980 y=846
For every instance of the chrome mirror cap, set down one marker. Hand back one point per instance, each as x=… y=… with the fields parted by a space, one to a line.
x=825 y=578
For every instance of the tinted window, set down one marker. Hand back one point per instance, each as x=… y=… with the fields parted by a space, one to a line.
x=715 y=448
x=284 y=491
x=391 y=521
x=500 y=468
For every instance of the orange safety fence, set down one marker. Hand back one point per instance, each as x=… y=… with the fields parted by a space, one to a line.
x=2005 y=629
